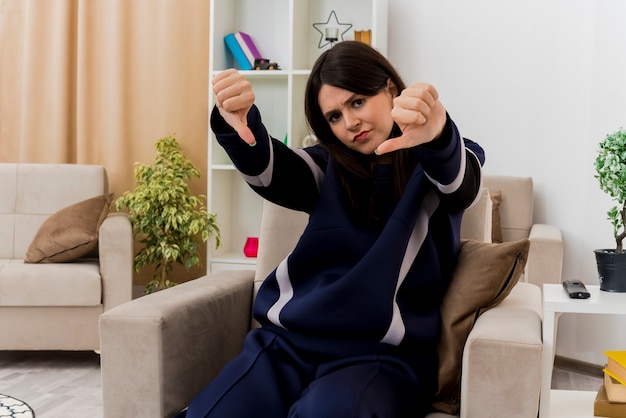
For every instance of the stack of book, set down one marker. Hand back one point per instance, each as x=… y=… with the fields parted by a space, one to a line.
x=611 y=398
x=243 y=49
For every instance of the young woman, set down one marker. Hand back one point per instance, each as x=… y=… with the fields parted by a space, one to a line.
x=350 y=319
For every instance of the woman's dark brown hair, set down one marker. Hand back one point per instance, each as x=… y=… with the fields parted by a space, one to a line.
x=360 y=69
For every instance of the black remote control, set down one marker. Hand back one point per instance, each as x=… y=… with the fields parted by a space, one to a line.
x=576 y=289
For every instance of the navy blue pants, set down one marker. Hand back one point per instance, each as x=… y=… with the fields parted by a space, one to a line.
x=273 y=379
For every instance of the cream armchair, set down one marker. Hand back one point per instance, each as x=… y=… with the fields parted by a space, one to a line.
x=159 y=350
x=515 y=212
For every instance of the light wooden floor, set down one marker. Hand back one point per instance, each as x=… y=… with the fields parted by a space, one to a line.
x=67 y=384
x=54 y=384
x=569 y=380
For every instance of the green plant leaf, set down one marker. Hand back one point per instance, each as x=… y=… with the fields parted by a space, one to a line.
x=610 y=165
x=168 y=220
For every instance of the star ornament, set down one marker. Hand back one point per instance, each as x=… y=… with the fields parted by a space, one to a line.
x=328 y=26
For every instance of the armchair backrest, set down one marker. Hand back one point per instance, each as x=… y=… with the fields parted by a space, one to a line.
x=516 y=208
x=281 y=228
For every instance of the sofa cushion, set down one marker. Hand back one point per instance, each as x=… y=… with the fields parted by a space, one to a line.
x=7 y=226
x=48 y=188
x=69 y=233
x=60 y=284
x=484 y=275
x=496 y=224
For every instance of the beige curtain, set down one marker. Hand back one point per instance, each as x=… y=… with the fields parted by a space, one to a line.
x=99 y=81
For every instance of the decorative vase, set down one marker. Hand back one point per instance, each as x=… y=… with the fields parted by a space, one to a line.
x=611 y=270
x=251 y=248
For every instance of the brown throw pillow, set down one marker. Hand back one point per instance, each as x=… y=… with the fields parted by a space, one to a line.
x=70 y=233
x=484 y=275
x=496 y=226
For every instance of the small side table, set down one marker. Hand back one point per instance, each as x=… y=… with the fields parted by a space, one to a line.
x=555 y=302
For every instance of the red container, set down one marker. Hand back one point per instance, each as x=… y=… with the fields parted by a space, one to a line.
x=251 y=248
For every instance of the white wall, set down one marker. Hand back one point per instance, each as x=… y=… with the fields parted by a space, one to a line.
x=538 y=83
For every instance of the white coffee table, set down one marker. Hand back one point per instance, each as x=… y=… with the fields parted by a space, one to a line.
x=571 y=404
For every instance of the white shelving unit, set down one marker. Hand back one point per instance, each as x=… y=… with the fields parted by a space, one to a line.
x=283 y=32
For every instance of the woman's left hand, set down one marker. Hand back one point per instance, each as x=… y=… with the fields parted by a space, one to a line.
x=419 y=114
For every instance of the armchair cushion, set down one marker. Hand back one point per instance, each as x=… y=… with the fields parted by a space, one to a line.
x=496 y=223
x=484 y=275
x=69 y=233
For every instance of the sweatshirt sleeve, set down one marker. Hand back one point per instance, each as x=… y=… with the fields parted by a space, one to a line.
x=454 y=165
x=288 y=177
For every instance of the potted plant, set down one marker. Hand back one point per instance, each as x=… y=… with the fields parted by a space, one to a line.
x=170 y=222
x=610 y=167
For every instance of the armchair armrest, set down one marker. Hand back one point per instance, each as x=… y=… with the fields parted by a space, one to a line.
x=115 y=253
x=545 y=258
x=160 y=350
x=502 y=358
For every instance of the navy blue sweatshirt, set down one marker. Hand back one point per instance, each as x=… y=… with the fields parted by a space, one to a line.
x=347 y=282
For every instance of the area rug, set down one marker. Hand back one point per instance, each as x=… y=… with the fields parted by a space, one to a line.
x=14 y=408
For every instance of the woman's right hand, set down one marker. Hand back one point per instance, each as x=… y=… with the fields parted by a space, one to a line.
x=234 y=98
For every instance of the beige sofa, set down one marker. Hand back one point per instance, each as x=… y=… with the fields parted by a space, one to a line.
x=56 y=305
x=159 y=350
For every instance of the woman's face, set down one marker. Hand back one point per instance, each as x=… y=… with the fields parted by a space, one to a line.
x=360 y=122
